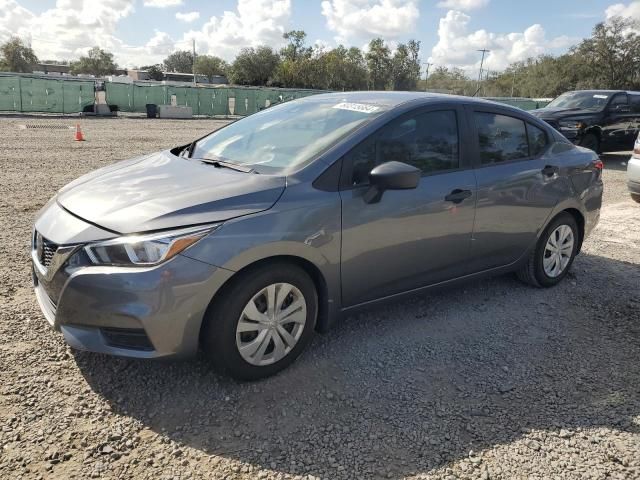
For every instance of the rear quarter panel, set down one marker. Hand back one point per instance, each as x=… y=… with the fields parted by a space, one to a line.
x=585 y=184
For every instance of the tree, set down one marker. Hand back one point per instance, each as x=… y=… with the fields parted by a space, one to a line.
x=15 y=56
x=451 y=80
x=341 y=69
x=155 y=72
x=296 y=67
x=406 y=66
x=179 y=61
x=296 y=48
x=211 y=66
x=612 y=54
x=379 y=63
x=97 y=62
x=254 y=66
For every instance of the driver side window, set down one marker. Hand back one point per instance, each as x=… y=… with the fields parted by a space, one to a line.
x=428 y=141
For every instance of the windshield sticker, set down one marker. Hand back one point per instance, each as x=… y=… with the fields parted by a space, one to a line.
x=357 y=107
x=604 y=97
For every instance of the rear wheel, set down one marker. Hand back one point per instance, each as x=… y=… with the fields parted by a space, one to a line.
x=262 y=321
x=635 y=197
x=549 y=263
x=590 y=141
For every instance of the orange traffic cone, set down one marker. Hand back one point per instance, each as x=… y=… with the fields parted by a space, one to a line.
x=79 y=137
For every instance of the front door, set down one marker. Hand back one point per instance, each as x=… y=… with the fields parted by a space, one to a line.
x=619 y=124
x=410 y=238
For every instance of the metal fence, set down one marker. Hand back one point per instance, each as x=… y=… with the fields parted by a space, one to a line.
x=207 y=101
x=19 y=93
x=33 y=93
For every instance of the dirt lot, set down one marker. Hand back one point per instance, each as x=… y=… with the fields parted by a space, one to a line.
x=490 y=380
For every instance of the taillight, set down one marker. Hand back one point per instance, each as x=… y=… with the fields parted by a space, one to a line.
x=598 y=164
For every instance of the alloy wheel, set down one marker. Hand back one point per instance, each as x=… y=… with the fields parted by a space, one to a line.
x=558 y=251
x=271 y=324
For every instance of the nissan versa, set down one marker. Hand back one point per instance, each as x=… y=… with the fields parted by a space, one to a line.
x=248 y=240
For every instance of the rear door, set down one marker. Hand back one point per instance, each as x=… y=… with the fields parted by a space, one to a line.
x=410 y=238
x=516 y=185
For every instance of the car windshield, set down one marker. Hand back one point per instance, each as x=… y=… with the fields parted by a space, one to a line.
x=581 y=100
x=285 y=137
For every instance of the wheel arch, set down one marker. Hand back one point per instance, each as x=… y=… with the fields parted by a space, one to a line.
x=579 y=218
x=316 y=275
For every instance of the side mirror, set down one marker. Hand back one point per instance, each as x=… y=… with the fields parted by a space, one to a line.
x=391 y=176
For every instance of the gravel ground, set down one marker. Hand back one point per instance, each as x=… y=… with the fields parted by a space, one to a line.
x=490 y=380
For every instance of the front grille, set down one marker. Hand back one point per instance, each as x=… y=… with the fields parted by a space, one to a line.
x=48 y=251
x=129 y=338
x=45 y=250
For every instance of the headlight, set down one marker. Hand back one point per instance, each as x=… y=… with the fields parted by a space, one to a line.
x=571 y=125
x=145 y=250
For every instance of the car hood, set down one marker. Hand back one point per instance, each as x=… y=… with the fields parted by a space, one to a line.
x=557 y=113
x=161 y=191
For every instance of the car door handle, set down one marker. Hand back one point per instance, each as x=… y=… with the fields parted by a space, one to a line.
x=458 y=195
x=550 y=170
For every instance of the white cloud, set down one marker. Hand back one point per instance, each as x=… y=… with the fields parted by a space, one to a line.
x=622 y=10
x=464 y=5
x=162 y=3
x=322 y=45
x=14 y=19
x=256 y=22
x=363 y=19
x=458 y=47
x=188 y=17
x=71 y=27
x=68 y=29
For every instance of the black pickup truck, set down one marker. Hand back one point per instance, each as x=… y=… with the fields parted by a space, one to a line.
x=602 y=120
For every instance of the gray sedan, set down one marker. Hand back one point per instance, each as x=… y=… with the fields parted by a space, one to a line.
x=247 y=241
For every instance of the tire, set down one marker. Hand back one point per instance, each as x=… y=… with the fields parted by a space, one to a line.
x=590 y=141
x=534 y=271
x=222 y=341
x=635 y=197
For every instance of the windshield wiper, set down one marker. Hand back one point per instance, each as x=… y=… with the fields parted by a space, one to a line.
x=219 y=163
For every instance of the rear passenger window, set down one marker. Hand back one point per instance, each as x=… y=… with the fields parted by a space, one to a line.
x=635 y=103
x=537 y=140
x=502 y=138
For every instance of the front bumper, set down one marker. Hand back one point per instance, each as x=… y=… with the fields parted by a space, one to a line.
x=148 y=312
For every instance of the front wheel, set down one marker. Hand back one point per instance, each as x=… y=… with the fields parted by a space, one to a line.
x=549 y=263
x=635 y=197
x=262 y=321
x=590 y=141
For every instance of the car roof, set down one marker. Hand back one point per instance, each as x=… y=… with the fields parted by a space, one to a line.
x=631 y=92
x=393 y=99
